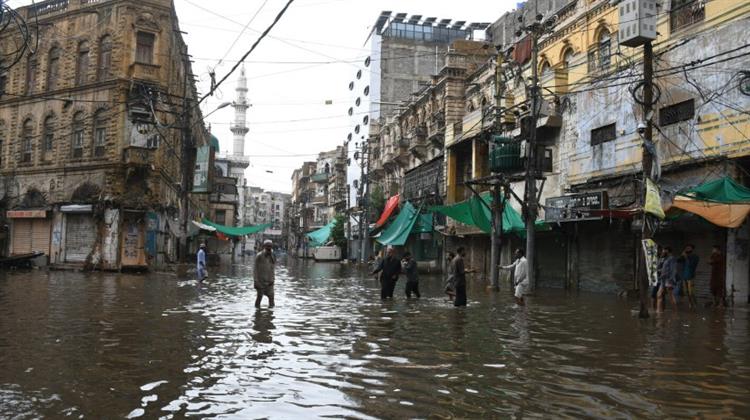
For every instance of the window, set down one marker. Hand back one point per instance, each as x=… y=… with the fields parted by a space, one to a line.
x=567 y=58
x=684 y=13
x=82 y=62
x=545 y=69
x=603 y=134
x=153 y=142
x=53 y=68
x=220 y=217
x=48 y=138
x=2 y=141
x=31 y=67
x=27 y=137
x=105 y=58
x=682 y=111
x=77 y=140
x=100 y=134
x=144 y=47
x=604 y=49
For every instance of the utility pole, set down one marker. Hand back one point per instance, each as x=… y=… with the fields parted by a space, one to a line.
x=646 y=233
x=185 y=158
x=498 y=204
x=348 y=213
x=364 y=221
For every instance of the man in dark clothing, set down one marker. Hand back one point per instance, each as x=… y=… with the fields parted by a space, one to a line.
x=459 y=273
x=687 y=264
x=412 y=279
x=717 y=281
x=390 y=268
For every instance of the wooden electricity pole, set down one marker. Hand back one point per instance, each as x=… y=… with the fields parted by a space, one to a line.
x=646 y=233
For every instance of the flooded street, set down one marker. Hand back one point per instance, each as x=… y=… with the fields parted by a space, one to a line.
x=109 y=345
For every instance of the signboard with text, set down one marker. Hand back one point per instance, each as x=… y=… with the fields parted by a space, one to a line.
x=575 y=207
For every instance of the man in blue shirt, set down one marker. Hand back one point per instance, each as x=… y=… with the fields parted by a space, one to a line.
x=201 y=268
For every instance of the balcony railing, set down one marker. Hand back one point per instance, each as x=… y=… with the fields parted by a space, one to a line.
x=134 y=155
x=320 y=177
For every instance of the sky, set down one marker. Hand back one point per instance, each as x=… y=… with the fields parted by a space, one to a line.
x=308 y=59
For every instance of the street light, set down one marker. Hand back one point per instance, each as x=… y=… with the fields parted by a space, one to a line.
x=222 y=105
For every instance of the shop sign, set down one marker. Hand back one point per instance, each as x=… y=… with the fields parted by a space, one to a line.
x=575 y=207
x=26 y=214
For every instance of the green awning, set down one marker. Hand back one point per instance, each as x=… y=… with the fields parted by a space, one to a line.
x=423 y=224
x=473 y=212
x=724 y=190
x=398 y=231
x=237 y=231
x=320 y=237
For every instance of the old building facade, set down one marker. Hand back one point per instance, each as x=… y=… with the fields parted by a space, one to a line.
x=92 y=159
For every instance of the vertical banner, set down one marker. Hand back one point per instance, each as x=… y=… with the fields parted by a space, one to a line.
x=200 y=181
x=651 y=253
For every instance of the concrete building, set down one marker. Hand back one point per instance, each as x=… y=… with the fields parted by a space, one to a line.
x=267 y=207
x=301 y=211
x=92 y=172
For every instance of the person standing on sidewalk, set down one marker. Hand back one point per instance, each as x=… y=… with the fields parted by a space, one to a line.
x=264 y=274
x=389 y=269
x=201 y=263
x=412 y=277
x=520 y=276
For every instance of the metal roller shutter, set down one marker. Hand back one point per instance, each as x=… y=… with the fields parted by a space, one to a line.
x=80 y=236
x=21 y=241
x=40 y=235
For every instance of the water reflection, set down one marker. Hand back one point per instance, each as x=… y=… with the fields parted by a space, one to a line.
x=110 y=345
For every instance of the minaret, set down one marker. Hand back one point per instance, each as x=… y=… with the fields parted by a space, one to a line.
x=239 y=127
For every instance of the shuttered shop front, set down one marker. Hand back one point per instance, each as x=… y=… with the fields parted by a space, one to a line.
x=606 y=257
x=80 y=236
x=30 y=232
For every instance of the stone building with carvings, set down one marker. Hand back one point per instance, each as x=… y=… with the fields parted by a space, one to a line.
x=92 y=167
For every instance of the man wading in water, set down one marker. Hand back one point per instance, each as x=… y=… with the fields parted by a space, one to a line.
x=390 y=268
x=264 y=274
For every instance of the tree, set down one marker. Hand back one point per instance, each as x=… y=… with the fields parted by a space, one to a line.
x=338 y=235
x=377 y=201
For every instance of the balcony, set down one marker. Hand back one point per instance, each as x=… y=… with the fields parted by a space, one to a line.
x=389 y=158
x=436 y=131
x=138 y=156
x=320 y=199
x=418 y=144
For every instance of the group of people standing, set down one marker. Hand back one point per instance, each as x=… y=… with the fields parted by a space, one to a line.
x=676 y=277
x=389 y=269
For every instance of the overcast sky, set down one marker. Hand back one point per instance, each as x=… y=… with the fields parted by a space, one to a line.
x=309 y=58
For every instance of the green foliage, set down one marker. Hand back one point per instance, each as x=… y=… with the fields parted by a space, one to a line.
x=377 y=201
x=338 y=233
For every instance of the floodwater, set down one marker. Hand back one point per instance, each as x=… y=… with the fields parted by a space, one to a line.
x=102 y=345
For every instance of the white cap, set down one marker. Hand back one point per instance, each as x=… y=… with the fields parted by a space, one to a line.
x=267 y=242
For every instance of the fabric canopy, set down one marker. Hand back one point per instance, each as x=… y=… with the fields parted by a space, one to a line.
x=204 y=227
x=320 y=237
x=390 y=205
x=724 y=190
x=474 y=213
x=236 y=231
x=722 y=202
x=725 y=215
x=423 y=224
x=398 y=231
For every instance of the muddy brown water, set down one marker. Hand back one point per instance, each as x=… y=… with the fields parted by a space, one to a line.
x=109 y=345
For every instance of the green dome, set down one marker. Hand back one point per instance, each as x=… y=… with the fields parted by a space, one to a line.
x=214 y=142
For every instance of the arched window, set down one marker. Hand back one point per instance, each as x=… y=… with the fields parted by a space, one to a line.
x=77 y=135
x=53 y=68
x=48 y=137
x=82 y=62
x=2 y=142
x=567 y=58
x=27 y=138
x=31 y=67
x=105 y=58
x=100 y=134
x=545 y=69
x=604 y=45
